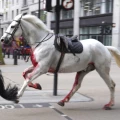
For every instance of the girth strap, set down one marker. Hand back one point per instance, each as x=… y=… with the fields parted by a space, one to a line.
x=59 y=62
x=61 y=56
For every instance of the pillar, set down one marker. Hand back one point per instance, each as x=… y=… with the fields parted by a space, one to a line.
x=116 y=20
x=76 y=17
x=49 y=20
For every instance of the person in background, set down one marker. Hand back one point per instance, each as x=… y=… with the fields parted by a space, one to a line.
x=18 y=41
x=21 y=41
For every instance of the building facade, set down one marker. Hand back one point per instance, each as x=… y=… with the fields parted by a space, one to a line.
x=98 y=19
x=89 y=19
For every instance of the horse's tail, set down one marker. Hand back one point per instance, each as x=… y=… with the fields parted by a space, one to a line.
x=116 y=54
x=10 y=93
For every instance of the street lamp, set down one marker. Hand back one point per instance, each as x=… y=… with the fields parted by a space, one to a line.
x=39 y=8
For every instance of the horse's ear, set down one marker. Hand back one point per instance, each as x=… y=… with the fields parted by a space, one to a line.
x=24 y=14
x=21 y=16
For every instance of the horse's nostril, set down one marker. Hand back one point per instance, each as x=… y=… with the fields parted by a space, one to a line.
x=2 y=40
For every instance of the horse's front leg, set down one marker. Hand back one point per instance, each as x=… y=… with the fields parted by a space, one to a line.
x=37 y=71
x=27 y=71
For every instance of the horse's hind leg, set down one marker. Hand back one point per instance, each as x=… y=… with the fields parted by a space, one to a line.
x=104 y=73
x=78 y=80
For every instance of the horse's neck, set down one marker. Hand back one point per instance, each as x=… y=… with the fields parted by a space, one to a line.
x=32 y=34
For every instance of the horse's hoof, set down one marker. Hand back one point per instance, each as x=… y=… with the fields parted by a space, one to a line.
x=38 y=86
x=61 y=103
x=107 y=108
x=16 y=101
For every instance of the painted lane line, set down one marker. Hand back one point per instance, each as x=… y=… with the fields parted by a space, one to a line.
x=59 y=112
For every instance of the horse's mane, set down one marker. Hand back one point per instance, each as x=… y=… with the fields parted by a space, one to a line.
x=35 y=21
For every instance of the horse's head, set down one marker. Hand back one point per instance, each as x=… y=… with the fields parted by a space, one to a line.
x=32 y=29
x=13 y=30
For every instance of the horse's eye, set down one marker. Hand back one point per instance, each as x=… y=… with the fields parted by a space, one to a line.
x=12 y=26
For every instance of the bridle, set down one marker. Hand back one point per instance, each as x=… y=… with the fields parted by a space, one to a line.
x=16 y=27
x=19 y=24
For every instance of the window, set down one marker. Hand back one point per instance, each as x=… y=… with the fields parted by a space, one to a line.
x=17 y=2
x=17 y=12
x=43 y=15
x=12 y=14
x=96 y=7
x=6 y=3
x=95 y=32
x=24 y=2
x=12 y=2
x=34 y=13
x=109 y=6
x=6 y=15
x=33 y=1
x=3 y=17
x=2 y=3
x=68 y=32
x=66 y=14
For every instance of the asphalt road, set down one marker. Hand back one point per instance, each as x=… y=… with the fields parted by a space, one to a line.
x=92 y=87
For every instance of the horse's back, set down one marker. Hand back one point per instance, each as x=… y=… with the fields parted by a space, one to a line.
x=99 y=53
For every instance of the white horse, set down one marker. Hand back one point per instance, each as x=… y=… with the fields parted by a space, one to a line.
x=45 y=57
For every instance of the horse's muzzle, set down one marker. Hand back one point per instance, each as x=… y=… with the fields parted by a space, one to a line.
x=5 y=40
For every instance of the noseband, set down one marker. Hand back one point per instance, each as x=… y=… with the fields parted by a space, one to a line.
x=16 y=27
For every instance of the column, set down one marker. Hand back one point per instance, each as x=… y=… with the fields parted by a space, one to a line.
x=116 y=20
x=49 y=20
x=76 y=17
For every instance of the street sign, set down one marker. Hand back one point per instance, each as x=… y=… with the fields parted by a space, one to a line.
x=67 y=4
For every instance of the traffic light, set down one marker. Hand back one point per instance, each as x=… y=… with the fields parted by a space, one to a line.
x=101 y=29
x=48 y=6
x=108 y=30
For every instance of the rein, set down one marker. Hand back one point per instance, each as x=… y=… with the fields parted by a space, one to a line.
x=44 y=39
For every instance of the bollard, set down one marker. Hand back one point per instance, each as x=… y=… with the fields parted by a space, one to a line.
x=18 y=55
x=15 y=58
x=8 y=53
x=13 y=54
x=4 y=54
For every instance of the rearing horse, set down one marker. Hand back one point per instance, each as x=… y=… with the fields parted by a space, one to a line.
x=45 y=57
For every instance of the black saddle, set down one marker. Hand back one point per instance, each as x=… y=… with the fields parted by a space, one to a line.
x=68 y=45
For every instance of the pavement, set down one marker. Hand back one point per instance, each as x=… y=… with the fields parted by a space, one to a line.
x=86 y=104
